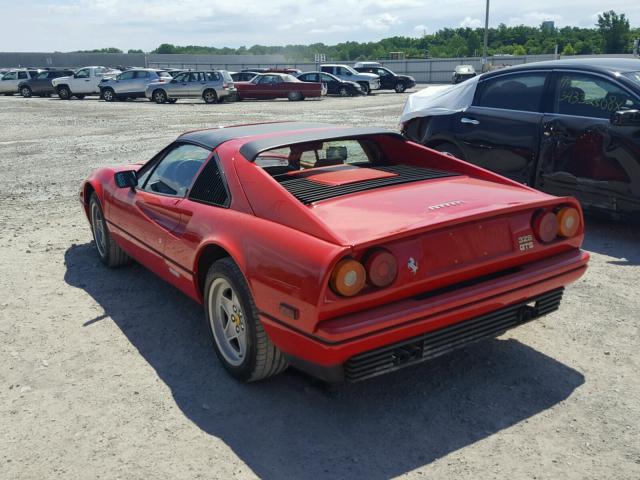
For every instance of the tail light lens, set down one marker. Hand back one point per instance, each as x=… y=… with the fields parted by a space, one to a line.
x=545 y=226
x=382 y=268
x=568 y=221
x=348 y=277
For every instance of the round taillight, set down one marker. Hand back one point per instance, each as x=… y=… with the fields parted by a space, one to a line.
x=568 y=221
x=348 y=277
x=545 y=226
x=382 y=268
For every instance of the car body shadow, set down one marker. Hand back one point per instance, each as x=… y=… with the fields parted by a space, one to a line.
x=614 y=239
x=289 y=426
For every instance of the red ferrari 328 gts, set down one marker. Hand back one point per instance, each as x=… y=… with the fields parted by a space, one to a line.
x=346 y=252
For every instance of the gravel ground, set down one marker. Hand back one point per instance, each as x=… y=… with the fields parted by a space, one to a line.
x=110 y=374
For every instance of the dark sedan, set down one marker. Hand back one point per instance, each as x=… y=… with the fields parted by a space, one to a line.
x=388 y=80
x=335 y=86
x=567 y=127
x=40 y=84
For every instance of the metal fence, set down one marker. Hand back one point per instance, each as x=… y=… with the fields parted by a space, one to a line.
x=433 y=70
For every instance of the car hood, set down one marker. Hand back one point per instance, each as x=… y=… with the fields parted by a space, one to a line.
x=58 y=80
x=402 y=210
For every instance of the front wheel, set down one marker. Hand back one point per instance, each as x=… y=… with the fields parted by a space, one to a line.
x=343 y=92
x=64 y=93
x=159 y=96
x=108 y=95
x=108 y=250
x=25 y=92
x=400 y=87
x=365 y=87
x=239 y=339
x=295 y=96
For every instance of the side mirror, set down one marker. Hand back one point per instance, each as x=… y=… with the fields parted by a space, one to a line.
x=625 y=118
x=126 y=179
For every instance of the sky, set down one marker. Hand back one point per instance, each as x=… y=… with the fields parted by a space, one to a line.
x=67 y=25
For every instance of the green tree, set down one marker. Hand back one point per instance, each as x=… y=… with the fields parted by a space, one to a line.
x=568 y=50
x=134 y=50
x=615 y=31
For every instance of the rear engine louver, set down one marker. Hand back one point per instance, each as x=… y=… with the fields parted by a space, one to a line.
x=308 y=191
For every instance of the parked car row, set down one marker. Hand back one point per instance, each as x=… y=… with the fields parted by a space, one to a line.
x=213 y=86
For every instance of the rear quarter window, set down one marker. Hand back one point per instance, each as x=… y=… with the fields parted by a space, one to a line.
x=521 y=92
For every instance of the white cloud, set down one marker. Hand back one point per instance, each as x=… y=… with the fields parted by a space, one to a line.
x=142 y=24
x=382 y=22
x=469 y=22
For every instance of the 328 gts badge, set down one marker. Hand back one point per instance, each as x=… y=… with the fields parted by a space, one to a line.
x=525 y=242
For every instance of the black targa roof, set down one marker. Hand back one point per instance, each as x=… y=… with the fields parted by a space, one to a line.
x=292 y=132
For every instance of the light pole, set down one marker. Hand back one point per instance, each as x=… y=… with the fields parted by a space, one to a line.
x=486 y=37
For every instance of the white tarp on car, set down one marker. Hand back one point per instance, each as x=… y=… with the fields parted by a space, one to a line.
x=440 y=100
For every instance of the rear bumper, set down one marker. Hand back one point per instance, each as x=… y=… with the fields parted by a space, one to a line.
x=338 y=342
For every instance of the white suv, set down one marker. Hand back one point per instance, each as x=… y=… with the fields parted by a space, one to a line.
x=10 y=80
x=86 y=81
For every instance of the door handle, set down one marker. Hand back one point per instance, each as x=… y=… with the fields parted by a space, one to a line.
x=469 y=121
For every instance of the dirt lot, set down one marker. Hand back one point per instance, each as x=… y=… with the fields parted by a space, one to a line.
x=110 y=374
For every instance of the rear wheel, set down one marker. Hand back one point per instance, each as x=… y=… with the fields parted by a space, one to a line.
x=159 y=96
x=108 y=250
x=365 y=87
x=400 y=87
x=64 y=93
x=239 y=339
x=108 y=95
x=343 y=92
x=210 y=96
x=25 y=91
x=450 y=149
x=295 y=96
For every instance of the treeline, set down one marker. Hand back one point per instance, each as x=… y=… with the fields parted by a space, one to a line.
x=612 y=34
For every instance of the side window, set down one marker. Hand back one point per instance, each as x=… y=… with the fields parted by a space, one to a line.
x=590 y=96
x=22 y=75
x=175 y=172
x=83 y=73
x=381 y=72
x=326 y=78
x=181 y=77
x=311 y=77
x=265 y=79
x=513 y=92
x=141 y=74
x=10 y=76
x=126 y=75
x=326 y=69
x=210 y=186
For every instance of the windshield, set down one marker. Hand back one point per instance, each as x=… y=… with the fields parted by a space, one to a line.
x=346 y=67
x=633 y=76
x=290 y=78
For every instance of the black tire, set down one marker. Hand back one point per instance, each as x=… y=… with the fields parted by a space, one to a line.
x=108 y=95
x=365 y=87
x=262 y=359
x=25 y=91
x=64 y=93
x=343 y=92
x=450 y=149
x=295 y=96
x=210 y=96
x=400 y=87
x=108 y=250
x=159 y=96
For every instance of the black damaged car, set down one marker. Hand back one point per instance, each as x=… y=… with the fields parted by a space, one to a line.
x=566 y=127
x=335 y=86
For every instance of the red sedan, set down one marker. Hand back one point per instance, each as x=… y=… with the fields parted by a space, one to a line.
x=346 y=252
x=278 y=85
